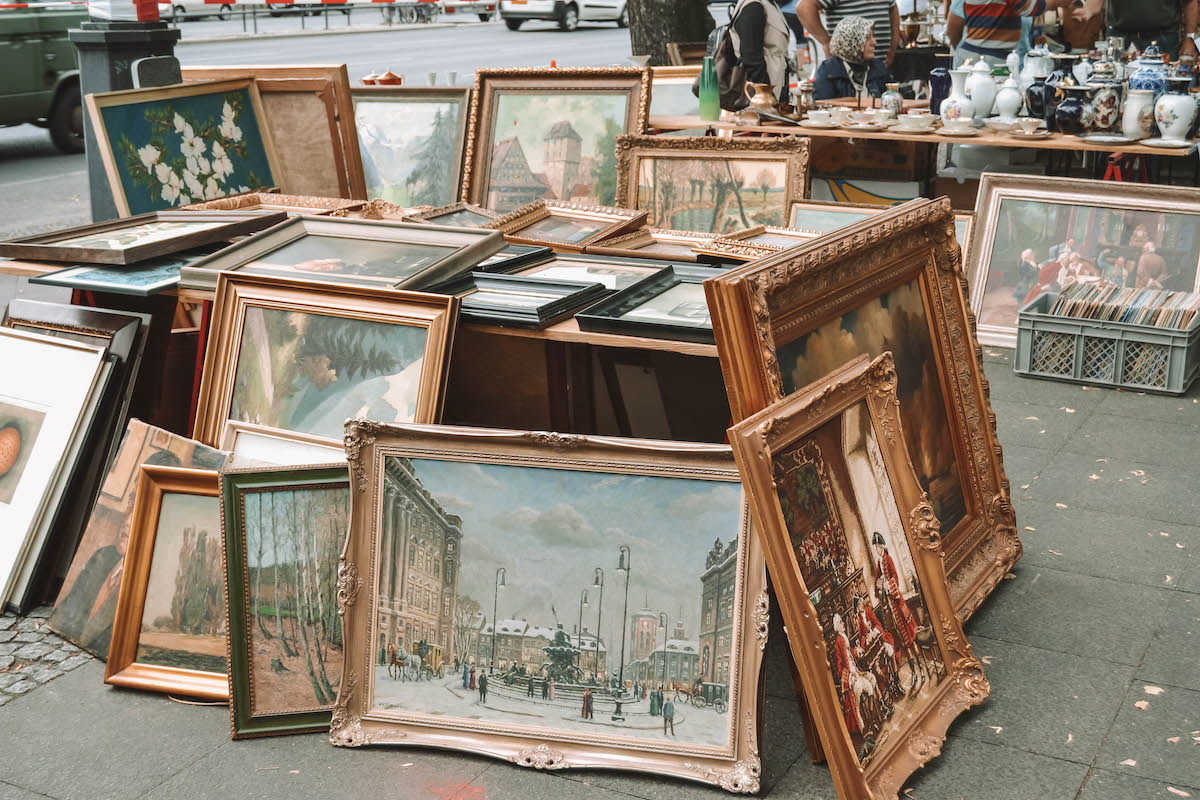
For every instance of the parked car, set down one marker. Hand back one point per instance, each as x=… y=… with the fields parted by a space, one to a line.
x=180 y=10
x=278 y=9
x=39 y=73
x=567 y=13
x=484 y=8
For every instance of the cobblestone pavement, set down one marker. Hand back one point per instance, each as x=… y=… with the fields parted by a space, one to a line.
x=31 y=654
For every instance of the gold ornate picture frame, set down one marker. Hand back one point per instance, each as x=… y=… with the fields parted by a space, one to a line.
x=712 y=184
x=891 y=282
x=408 y=485
x=373 y=336
x=461 y=214
x=754 y=243
x=271 y=201
x=652 y=243
x=856 y=560
x=551 y=119
x=163 y=640
x=566 y=227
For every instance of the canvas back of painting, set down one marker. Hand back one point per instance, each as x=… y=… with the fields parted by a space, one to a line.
x=183 y=619
x=304 y=122
x=83 y=612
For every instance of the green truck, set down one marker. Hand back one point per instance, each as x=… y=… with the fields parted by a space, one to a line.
x=39 y=71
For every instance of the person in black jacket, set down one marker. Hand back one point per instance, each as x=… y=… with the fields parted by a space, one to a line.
x=761 y=39
x=852 y=70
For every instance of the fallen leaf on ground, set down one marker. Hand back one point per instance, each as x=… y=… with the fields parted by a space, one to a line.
x=1129 y=762
x=1142 y=704
x=1025 y=486
x=1154 y=690
x=996 y=728
x=1010 y=577
x=986 y=659
x=1054 y=552
x=409 y=764
x=1061 y=505
x=1163 y=533
x=1179 y=544
x=1179 y=792
x=1043 y=430
x=295 y=771
x=1070 y=736
x=1029 y=528
x=1068 y=410
x=1101 y=460
x=1168 y=580
x=1137 y=472
x=1094 y=476
x=1174 y=739
x=1035 y=419
x=1145 y=481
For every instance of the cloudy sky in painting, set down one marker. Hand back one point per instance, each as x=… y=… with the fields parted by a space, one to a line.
x=549 y=528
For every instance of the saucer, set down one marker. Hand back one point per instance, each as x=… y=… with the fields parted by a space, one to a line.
x=1166 y=144
x=968 y=132
x=1106 y=138
x=808 y=123
x=902 y=129
x=864 y=127
x=1017 y=133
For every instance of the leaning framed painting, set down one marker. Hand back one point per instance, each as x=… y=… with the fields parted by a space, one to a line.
x=535 y=522
x=855 y=556
x=711 y=185
x=411 y=142
x=169 y=631
x=892 y=282
x=568 y=227
x=754 y=243
x=537 y=133
x=304 y=357
x=284 y=529
x=1033 y=235
x=652 y=243
x=173 y=145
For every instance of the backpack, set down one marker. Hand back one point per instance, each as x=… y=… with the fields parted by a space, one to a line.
x=731 y=75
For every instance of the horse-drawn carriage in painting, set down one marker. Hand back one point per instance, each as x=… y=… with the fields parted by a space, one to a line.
x=425 y=663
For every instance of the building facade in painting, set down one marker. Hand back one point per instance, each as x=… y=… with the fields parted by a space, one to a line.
x=719 y=583
x=513 y=183
x=682 y=665
x=420 y=550
x=524 y=645
x=644 y=625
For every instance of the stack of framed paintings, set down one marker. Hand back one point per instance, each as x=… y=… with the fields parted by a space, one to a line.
x=890 y=282
x=855 y=556
x=613 y=273
x=754 y=243
x=351 y=252
x=712 y=185
x=511 y=301
x=566 y=227
x=272 y=201
x=469 y=500
x=670 y=304
x=1042 y=234
x=652 y=243
x=171 y=146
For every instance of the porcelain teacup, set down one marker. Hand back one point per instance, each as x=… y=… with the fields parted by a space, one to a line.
x=819 y=117
x=960 y=125
x=839 y=114
x=917 y=122
x=1029 y=124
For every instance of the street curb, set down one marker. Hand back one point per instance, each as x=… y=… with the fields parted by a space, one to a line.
x=333 y=31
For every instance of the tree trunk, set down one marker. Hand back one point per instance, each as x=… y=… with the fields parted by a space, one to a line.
x=262 y=543
x=301 y=604
x=287 y=648
x=313 y=587
x=655 y=23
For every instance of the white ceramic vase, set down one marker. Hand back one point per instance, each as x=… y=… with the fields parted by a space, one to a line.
x=1137 y=118
x=1009 y=100
x=1175 y=110
x=958 y=105
x=981 y=89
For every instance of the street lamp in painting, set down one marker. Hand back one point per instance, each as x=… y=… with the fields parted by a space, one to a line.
x=500 y=574
x=598 y=583
x=583 y=603
x=623 y=568
x=662 y=623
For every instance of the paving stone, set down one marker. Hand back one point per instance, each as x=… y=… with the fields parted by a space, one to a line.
x=30 y=637
x=26 y=625
x=1169 y=493
x=1071 y=613
x=6 y=661
x=32 y=652
x=7 y=623
x=1173 y=658
x=1142 y=734
x=67 y=647
x=75 y=661
x=1183 y=613
x=979 y=771
x=5 y=697
x=20 y=687
x=1022 y=464
x=1047 y=427
x=1149 y=408
x=9 y=678
x=9 y=791
x=41 y=612
x=1044 y=702
x=1103 y=784
x=44 y=674
x=7 y=636
x=9 y=648
x=1103 y=544
x=56 y=656
x=1164 y=443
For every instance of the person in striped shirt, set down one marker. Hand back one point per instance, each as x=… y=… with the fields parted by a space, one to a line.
x=882 y=13
x=991 y=29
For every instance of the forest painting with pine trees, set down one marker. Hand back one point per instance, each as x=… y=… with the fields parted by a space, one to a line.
x=410 y=148
x=293 y=538
x=309 y=373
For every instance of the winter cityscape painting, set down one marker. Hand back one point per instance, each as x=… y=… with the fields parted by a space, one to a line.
x=848 y=539
x=543 y=598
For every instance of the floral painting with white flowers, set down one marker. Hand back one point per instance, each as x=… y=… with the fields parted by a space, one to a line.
x=183 y=150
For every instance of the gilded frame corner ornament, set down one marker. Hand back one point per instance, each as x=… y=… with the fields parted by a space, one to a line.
x=774 y=439
x=767 y=303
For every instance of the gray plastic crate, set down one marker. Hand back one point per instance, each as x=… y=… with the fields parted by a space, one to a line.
x=1105 y=353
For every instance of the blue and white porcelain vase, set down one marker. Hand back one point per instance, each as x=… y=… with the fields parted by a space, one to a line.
x=1151 y=72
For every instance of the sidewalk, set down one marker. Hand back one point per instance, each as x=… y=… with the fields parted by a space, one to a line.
x=364 y=18
x=1101 y=614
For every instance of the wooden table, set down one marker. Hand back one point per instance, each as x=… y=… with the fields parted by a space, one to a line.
x=989 y=138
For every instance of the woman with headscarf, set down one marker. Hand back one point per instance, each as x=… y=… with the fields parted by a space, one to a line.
x=852 y=70
x=761 y=38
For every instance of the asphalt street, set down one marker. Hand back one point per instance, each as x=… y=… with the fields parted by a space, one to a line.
x=41 y=189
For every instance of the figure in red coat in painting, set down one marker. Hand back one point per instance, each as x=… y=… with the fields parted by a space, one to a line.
x=852 y=680
x=887 y=585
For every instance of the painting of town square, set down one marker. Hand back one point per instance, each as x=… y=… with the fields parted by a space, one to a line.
x=411 y=147
x=309 y=373
x=554 y=146
x=849 y=543
x=1043 y=247
x=293 y=539
x=894 y=321
x=183 y=619
x=580 y=602
x=712 y=195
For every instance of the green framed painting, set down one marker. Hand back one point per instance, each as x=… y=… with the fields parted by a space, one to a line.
x=284 y=530
x=176 y=145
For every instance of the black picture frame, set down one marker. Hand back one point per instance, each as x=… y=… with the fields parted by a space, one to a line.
x=609 y=315
x=562 y=299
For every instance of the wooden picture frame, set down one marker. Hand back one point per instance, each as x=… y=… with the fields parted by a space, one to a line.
x=372 y=312
x=902 y=268
x=96 y=243
x=567 y=85
x=652 y=243
x=618 y=313
x=330 y=85
x=534 y=224
x=671 y=92
x=459 y=214
x=1014 y=212
x=836 y=449
x=391 y=470
x=781 y=163
x=514 y=257
x=681 y=54
x=273 y=201
x=512 y=301
x=126 y=666
x=428 y=253
x=256 y=140
x=822 y=216
x=450 y=154
x=754 y=243
x=318 y=497
x=251 y=445
x=145 y=279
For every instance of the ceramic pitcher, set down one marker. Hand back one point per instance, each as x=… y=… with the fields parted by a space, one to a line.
x=760 y=96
